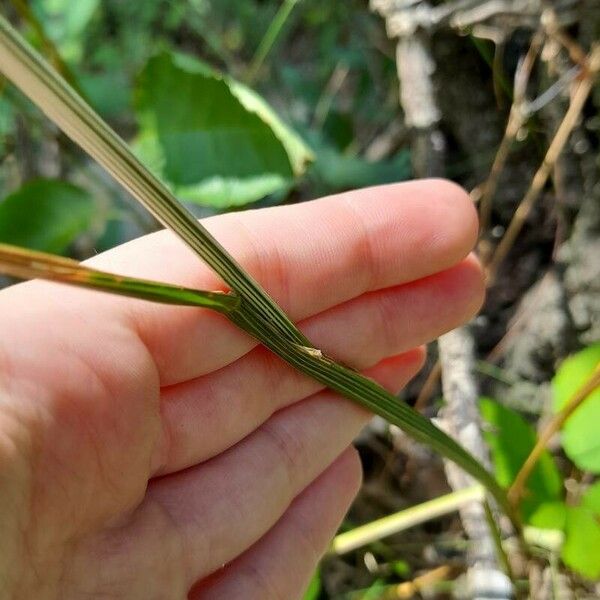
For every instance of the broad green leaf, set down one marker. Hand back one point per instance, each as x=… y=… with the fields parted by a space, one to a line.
x=214 y=140
x=591 y=498
x=45 y=214
x=580 y=434
x=511 y=439
x=549 y=515
x=298 y=152
x=333 y=170
x=338 y=171
x=582 y=530
x=217 y=192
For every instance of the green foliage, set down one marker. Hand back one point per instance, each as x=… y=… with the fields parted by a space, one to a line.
x=314 y=588
x=582 y=530
x=511 y=440
x=550 y=515
x=213 y=139
x=64 y=22
x=580 y=438
x=334 y=171
x=45 y=215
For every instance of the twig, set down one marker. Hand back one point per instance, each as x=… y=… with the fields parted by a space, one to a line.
x=539 y=180
x=408 y=589
x=426 y=584
x=515 y=493
x=462 y=421
x=552 y=26
x=429 y=386
x=516 y=119
x=329 y=93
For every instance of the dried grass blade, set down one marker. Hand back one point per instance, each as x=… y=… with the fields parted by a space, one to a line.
x=29 y=264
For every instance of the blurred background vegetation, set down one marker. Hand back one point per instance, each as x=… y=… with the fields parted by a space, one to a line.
x=248 y=103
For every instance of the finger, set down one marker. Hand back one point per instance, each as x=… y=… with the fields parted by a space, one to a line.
x=229 y=416
x=309 y=257
x=233 y=401
x=281 y=563
x=219 y=516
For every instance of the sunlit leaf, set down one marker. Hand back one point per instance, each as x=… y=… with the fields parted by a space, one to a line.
x=549 y=515
x=580 y=550
x=580 y=437
x=511 y=440
x=222 y=192
x=214 y=140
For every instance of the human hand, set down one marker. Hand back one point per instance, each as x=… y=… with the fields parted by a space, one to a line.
x=143 y=446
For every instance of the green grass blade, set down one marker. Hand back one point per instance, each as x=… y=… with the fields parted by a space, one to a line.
x=29 y=264
x=354 y=386
x=258 y=314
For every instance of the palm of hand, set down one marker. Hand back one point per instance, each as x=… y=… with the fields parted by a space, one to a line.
x=143 y=447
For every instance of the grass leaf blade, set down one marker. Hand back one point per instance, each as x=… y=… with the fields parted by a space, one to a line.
x=29 y=264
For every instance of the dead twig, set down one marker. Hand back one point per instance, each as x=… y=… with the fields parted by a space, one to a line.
x=409 y=589
x=541 y=177
x=551 y=25
x=516 y=119
x=429 y=386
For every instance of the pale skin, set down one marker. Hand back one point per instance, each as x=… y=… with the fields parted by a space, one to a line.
x=143 y=447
